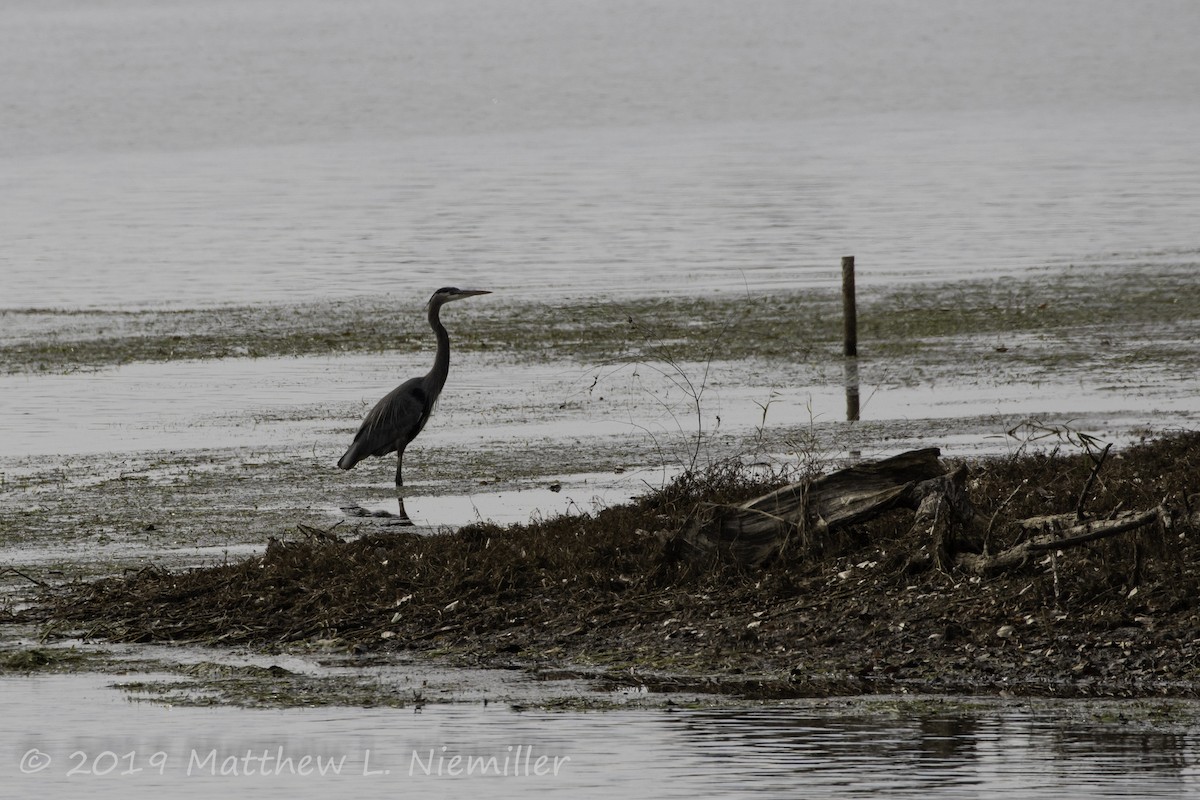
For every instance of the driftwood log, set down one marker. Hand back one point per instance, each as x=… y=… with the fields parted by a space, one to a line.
x=754 y=532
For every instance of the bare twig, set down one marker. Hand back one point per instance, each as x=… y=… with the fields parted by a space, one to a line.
x=29 y=578
x=987 y=535
x=1087 y=487
x=1054 y=569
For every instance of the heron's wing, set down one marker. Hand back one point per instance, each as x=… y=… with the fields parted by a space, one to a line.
x=391 y=424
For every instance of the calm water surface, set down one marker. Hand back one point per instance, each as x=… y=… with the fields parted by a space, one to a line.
x=315 y=403
x=829 y=750
x=264 y=151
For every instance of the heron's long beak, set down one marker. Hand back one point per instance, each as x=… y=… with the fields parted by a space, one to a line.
x=443 y=296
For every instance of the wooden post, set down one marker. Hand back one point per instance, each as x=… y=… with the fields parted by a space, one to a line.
x=850 y=374
x=850 y=338
x=849 y=310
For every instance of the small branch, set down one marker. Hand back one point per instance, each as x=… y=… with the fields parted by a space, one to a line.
x=1096 y=529
x=1071 y=537
x=1087 y=487
x=29 y=578
x=987 y=535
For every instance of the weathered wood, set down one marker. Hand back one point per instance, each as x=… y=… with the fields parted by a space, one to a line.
x=944 y=511
x=757 y=530
x=1048 y=523
x=1073 y=536
x=849 y=309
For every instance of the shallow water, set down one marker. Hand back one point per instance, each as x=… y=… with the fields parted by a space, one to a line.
x=317 y=402
x=235 y=450
x=842 y=749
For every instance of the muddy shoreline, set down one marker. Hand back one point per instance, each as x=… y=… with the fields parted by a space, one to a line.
x=954 y=365
x=598 y=598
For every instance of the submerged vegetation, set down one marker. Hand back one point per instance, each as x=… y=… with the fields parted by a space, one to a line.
x=1071 y=310
x=603 y=592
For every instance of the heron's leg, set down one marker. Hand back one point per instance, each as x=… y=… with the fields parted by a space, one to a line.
x=403 y=515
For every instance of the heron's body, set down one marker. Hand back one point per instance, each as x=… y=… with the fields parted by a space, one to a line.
x=391 y=424
x=402 y=413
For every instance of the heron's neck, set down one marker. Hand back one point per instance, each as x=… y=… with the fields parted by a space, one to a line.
x=441 y=362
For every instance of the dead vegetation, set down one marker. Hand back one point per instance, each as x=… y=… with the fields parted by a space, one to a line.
x=870 y=607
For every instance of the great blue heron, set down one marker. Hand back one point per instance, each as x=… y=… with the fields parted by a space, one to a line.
x=402 y=413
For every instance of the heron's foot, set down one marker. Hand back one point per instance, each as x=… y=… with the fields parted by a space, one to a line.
x=402 y=517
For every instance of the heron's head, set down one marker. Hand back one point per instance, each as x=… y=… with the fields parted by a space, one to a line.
x=449 y=294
